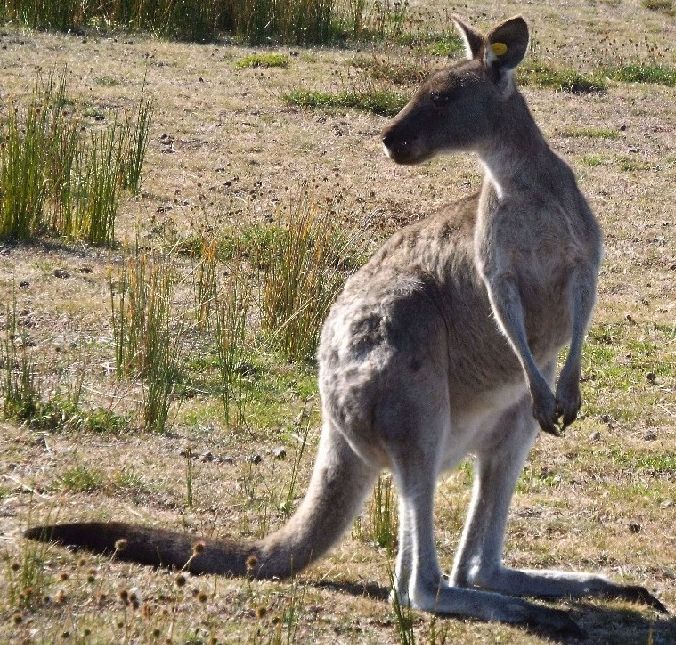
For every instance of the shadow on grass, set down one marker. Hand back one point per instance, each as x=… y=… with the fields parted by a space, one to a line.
x=600 y=624
x=359 y=589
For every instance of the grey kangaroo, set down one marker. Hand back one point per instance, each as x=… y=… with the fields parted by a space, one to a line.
x=444 y=344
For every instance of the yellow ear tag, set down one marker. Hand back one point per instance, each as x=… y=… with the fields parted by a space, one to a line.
x=499 y=48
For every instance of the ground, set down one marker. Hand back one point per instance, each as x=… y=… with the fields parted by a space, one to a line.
x=226 y=152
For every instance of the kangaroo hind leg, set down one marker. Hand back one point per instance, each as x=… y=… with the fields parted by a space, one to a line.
x=478 y=563
x=418 y=579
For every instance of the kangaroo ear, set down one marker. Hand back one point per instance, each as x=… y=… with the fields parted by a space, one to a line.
x=474 y=40
x=507 y=44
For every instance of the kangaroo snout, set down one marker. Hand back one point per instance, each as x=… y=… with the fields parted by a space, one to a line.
x=399 y=147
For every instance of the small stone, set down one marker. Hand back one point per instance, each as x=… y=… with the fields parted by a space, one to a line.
x=651 y=435
x=24 y=284
x=61 y=273
x=650 y=377
x=634 y=527
x=279 y=453
x=254 y=459
x=667 y=503
x=595 y=436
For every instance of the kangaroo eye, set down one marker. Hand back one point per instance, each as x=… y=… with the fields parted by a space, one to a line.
x=439 y=99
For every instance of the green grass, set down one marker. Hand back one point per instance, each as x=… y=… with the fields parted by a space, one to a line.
x=592 y=160
x=643 y=72
x=382 y=102
x=263 y=60
x=62 y=414
x=96 y=211
x=248 y=241
x=539 y=74
x=23 y=163
x=618 y=358
x=651 y=462
x=128 y=480
x=81 y=479
x=272 y=390
x=446 y=44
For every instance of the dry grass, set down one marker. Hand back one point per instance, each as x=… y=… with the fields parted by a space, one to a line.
x=224 y=152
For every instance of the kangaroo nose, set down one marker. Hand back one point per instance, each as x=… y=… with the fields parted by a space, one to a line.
x=387 y=139
x=390 y=141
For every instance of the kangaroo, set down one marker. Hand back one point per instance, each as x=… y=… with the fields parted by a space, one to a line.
x=444 y=344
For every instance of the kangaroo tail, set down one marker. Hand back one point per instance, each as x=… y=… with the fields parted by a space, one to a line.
x=340 y=481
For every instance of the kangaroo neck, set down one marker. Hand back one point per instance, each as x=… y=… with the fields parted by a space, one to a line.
x=514 y=157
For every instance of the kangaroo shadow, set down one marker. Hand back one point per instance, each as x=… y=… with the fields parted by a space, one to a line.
x=598 y=624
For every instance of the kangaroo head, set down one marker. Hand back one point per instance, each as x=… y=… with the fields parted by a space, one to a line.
x=457 y=108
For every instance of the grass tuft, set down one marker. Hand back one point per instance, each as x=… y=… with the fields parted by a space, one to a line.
x=145 y=346
x=55 y=179
x=592 y=160
x=643 y=72
x=81 y=479
x=231 y=316
x=137 y=132
x=564 y=80
x=20 y=396
x=381 y=525
x=263 y=60
x=301 y=280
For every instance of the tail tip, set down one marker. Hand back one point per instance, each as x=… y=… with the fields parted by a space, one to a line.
x=39 y=533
